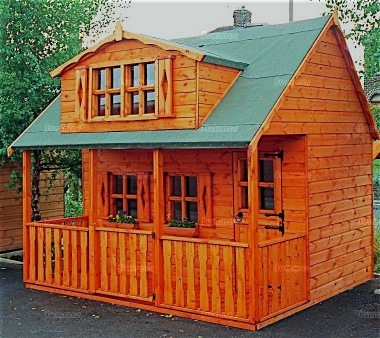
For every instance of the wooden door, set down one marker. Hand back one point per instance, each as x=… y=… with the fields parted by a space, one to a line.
x=283 y=270
x=241 y=206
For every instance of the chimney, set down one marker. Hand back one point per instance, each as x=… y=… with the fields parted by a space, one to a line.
x=242 y=17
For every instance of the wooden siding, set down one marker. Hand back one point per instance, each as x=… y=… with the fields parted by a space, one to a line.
x=216 y=162
x=323 y=105
x=184 y=89
x=214 y=81
x=196 y=89
x=51 y=204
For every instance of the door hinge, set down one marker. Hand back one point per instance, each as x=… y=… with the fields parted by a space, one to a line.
x=154 y=296
x=280 y=215
x=153 y=235
x=279 y=154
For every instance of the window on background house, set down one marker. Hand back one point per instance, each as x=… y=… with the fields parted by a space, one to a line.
x=130 y=193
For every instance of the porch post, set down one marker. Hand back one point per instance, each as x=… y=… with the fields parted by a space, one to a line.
x=93 y=262
x=26 y=208
x=158 y=176
x=253 y=234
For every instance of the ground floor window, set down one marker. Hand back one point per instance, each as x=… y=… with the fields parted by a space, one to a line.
x=188 y=196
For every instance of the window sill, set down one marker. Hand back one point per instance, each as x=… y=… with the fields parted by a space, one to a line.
x=124 y=118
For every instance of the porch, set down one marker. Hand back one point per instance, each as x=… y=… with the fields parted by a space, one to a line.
x=208 y=278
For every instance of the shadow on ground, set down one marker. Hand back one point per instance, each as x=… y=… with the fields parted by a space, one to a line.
x=28 y=313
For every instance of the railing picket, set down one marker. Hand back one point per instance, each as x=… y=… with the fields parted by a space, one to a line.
x=204 y=302
x=103 y=261
x=143 y=266
x=84 y=260
x=228 y=280
x=180 y=297
x=66 y=257
x=40 y=254
x=32 y=258
x=57 y=256
x=190 y=275
x=123 y=264
x=48 y=256
x=215 y=276
x=241 y=289
x=133 y=265
x=113 y=266
x=74 y=259
x=168 y=292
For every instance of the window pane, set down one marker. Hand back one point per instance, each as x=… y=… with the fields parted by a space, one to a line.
x=115 y=104
x=134 y=103
x=149 y=101
x=191 y=186
x=132 y=208
x=115 y=77
x=177 y=210
x=101 y=105
x=119 y=205
x=132 y=185
x=244 y=197
x=101 y=79
x=192 y=211
x=134 y=80
x=149 y=74
x=267 y=198
x=118 y=179
x=176 y=186
x=266 y=171
x=244 y=170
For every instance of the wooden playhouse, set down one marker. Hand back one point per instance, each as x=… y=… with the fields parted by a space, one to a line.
x=261 y=136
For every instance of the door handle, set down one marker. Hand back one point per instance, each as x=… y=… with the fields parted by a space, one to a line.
x=239 y=217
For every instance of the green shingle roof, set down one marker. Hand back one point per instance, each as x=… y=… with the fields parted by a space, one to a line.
x=272 y=54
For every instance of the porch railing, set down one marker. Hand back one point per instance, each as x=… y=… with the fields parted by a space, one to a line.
x=57 y=253
x=206 y=276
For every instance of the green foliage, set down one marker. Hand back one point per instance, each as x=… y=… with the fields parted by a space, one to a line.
x=376 y=114
x=37 y=36
x=377 y=248
x=363 y=18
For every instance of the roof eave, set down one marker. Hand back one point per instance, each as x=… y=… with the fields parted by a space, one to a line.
x=119 y=35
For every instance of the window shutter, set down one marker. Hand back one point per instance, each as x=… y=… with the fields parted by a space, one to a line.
x=104 y=199
x=163 y=85
x=205 y=200
x=143 y=197
x=81 y=93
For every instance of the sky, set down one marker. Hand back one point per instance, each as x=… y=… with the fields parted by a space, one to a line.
x=176 y=19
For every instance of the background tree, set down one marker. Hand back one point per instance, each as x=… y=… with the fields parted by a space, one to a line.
x=36 y=36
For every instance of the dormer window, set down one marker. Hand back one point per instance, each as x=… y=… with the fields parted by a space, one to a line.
x=124 y=91
x=141 y=89
x=107 y=92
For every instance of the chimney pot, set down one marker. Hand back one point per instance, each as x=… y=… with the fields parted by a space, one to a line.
x=242 y=17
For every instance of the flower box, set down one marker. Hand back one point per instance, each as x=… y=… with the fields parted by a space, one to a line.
x=117 y=225
x=180 y=231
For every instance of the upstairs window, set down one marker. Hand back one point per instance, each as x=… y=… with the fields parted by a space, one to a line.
x=140 y=89
x=107 y=91
x=126 y=91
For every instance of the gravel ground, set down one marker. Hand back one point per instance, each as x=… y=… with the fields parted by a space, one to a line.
x=28 y=313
